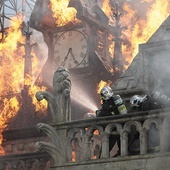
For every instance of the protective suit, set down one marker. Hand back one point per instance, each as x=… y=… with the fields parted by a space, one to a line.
x=143 y=103
x=146 y=103
x=111 y=104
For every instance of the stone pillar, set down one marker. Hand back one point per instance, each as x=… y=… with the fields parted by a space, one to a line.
x=124 y=143
x=87 y=147
x=105 y=145
x=164 y=136
x=68 y=151
x=143 y=142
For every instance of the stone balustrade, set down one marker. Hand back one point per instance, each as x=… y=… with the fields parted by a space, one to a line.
x=140 y=133
x=34 y=161
x=143 y=136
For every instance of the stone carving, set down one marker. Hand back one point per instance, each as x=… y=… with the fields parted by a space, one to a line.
x=75 y=138
x=54 y=147
x=59 y=102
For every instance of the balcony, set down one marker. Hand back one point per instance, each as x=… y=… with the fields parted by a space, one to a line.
x=87 y=143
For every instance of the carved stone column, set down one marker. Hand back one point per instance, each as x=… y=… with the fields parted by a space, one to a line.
x=124 y=143
x=165 y=146
x=69 y=150
x=87 y=155
x=143 y=141
x=105 y=145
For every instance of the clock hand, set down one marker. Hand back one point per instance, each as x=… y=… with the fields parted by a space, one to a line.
x=75 y=61
x=66 y=57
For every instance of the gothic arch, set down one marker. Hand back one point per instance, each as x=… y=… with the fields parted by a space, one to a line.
x=33 y=163
x=129 y=136
x=74 y=143
x=151 y=131
x=111 y=126
x=72 y=133
x=150 y=121
x=20 y=165
x=110 y=140
x=90 y=140
x=6 y=165
x=91 y=129
x=127 y=126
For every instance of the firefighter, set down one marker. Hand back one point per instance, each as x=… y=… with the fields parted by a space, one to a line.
x=111 y=105
x=143 y=103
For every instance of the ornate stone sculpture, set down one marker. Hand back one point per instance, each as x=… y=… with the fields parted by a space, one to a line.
x=55 y=148
x=59 y=102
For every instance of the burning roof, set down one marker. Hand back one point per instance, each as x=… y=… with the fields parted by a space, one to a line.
x=150 y=68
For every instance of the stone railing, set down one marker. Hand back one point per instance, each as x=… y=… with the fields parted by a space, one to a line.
x=139 y=133
x=38 y=161
x=81 y=143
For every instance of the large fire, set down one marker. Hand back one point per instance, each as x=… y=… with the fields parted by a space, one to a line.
x=142 y=19
x=61 y=13
x=12 y=77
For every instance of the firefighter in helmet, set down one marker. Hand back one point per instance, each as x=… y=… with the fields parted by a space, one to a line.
x=111 y=105
x=143 y=103
x=146 y=103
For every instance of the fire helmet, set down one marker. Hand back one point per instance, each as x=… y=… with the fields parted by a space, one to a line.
x=136 y=100
x=106 y=93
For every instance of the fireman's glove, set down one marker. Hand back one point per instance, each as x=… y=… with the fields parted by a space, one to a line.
x=97 y=113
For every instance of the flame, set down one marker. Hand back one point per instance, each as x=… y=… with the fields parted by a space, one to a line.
x=11 y=82
x=142 y=20
x=143 y=29
x=73 y=156
x=61 y=13
x=12 y=78
x=41 y=106
x=102 y=84
x=140 y=29
x=10 y=107
x=106 y=7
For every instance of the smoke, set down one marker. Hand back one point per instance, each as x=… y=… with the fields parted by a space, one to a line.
x=81 y=96
x=160 y=70
x=40 y=48
x=83 y=99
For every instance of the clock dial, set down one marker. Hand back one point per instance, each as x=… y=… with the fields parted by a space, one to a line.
x=70 y=49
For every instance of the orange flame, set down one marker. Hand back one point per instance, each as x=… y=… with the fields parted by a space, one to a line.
x=12 y=78
x=10 y=108
x=61 y=13
x=140 y=29
x=140 y=26
x=73 y=156
x=106 y=7
x=102 y=84
x=144 y=28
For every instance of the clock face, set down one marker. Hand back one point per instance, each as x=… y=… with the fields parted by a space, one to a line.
x=70 y=49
